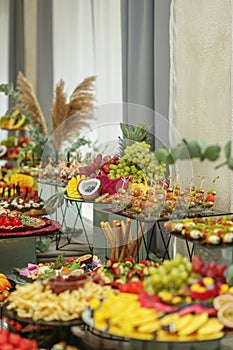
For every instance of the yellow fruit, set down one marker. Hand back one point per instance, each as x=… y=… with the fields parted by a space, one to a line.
x=224 y=289
x=72 y=189
x=21 y=180
x=149 y=327
x=17 y=120
x=181 y=322
x=210 y=336
x=195 y=323
x=170 y=318
x=213 y=325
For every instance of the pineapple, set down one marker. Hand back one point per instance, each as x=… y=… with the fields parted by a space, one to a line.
x=131 y=134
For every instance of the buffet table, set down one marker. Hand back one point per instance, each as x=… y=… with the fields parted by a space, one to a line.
x=156 y=230
x=19 y=247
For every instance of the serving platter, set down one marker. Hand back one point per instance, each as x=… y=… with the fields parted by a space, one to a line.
x=12 y=315
x=87 y=317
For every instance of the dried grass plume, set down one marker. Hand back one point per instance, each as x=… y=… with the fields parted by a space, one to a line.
x=75 y=113
x=30 y=102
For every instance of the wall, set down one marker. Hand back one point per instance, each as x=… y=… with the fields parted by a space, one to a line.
x=201 y=93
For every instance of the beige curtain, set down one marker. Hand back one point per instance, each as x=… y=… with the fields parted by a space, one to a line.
x=201 y=82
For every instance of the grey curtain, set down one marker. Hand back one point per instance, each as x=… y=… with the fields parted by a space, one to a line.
x=16 y=41
x=145 y=68
x=45 y=57
x=145 y=60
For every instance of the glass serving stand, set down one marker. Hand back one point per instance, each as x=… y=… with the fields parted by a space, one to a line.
x=46 y=333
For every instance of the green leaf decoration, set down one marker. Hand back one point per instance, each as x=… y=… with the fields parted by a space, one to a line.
x=54 y=202
x=133 y=133
x=201 y=144
x=170 y=159
x=227 y=149
x=193 y=149
x=180 y=152
x=161 y=154
x=230 y=163
x=212 y=152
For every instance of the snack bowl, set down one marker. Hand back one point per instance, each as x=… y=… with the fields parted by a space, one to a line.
x=61 y=284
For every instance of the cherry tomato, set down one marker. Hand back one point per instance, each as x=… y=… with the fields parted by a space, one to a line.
x=16 y=221
x=6 y=221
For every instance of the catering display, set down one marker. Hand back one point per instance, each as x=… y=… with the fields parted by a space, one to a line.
x=21 y=225
x=162 y=313
x=64 y=266
x=40 y=303
x=173 y=301
x=207 y=231
x=176 y=300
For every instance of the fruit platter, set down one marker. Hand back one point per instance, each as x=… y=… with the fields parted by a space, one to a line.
x=133 y=193
x=210 y=231
x=174 y=301
x=177 y=301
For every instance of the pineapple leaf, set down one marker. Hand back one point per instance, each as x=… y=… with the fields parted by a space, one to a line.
x=133 y=133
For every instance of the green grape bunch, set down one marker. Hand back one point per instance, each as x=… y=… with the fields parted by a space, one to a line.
x=139 y=163
x=172 y=275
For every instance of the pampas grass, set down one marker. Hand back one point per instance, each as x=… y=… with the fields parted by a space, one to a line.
x=74 y=114
x=30 y=102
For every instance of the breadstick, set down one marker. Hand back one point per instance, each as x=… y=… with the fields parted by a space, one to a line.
x=138 y=241
x=125 y=252
x=113 y=245
x=117 y=236
x=108 y=237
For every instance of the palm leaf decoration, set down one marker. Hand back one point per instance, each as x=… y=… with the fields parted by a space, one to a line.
x=30 y=103
x=133 y=133
x=75 y=113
